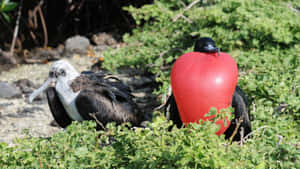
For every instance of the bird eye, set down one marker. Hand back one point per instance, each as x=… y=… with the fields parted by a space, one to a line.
x=62 y=72
x=51 y=74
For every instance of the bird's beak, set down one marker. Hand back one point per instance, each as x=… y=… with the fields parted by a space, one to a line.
x=210 y=48
x=51 y=82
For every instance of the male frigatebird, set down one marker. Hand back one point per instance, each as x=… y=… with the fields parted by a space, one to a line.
x=239 y=101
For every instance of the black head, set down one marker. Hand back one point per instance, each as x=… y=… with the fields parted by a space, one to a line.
x=206 y=45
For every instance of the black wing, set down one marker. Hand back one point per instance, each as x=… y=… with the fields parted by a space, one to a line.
x=57 y=109
x=106 y=79
x=239 y=103
x=171 y=111
x=111 y=101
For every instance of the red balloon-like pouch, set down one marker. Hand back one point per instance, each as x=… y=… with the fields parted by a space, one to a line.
x=201 y=81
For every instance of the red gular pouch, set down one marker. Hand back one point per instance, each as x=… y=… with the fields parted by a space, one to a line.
x=201 y=81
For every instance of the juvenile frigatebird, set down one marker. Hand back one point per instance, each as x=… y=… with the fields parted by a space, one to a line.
x=87 y=96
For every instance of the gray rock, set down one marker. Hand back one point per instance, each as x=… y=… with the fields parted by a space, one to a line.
x=28 y=111
x=4 y=105
x=25 y=85
x=103 y=39
x=77 y=44
x=8 y=90
x=5 y=58
x=45 y=53
x=53 y=123
x=25 y=112
x=100 y=48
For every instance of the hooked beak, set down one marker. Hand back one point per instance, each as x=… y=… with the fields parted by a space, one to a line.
x=51 y=82
x=211 y=48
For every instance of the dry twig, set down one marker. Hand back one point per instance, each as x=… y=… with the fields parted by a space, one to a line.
x=280 y=139
x=292 y=8
x=242 y=135
x=39 y=159
x=16 y=29
x=97 y=121
x=236 y=128
x=185 y=9
x=253 y=107
x=161 y=55
x=44 y=26
x=164 y=100
x=32 y=20
x=281 y=108
x=248 y=135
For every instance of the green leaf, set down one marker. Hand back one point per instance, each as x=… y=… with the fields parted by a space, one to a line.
x=225 y=122
x=9 y=6
x=212 y=111
x=7 y=18
x=3 y=3
x=261 y=165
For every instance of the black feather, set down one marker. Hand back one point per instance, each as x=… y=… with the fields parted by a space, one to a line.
x=206 y=45
x=108 y=98
x=57 y=109
x=239 y=103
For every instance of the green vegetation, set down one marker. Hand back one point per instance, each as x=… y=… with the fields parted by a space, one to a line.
x=262 y=36
x=7 y=6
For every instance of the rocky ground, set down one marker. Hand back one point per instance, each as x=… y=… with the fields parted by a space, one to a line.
x=18 y=116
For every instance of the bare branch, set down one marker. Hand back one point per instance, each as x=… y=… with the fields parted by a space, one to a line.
x=293 y=9
x=39 y=159
x=248 y=135
x=173 y=49
x=280 y=139
x=162 y=54
x=16 y=29
x=253 y=107
x=184 y=17
x=242 y=135
x=185 y=9
x=281 y=108
x=32 y=20
x=97 y=121
x=43 y=25
x=236 y=128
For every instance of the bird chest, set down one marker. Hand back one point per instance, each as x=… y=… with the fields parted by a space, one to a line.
x=201 y=81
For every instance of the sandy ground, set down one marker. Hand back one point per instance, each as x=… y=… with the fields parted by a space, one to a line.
x=17 y=115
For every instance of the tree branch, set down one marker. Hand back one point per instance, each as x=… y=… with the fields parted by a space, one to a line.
x=12 y=47
x=185 y=9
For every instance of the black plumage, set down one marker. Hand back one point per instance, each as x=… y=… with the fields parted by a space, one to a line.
x=102 y=97
x=239 y=101
x=57 y=109
x=206 y=45
x=88 y=96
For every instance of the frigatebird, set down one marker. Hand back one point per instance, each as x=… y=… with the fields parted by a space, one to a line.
x=74 y=96
x=239 y=101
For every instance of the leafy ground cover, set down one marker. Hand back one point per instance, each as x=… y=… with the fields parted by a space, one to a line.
x=262 y=36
